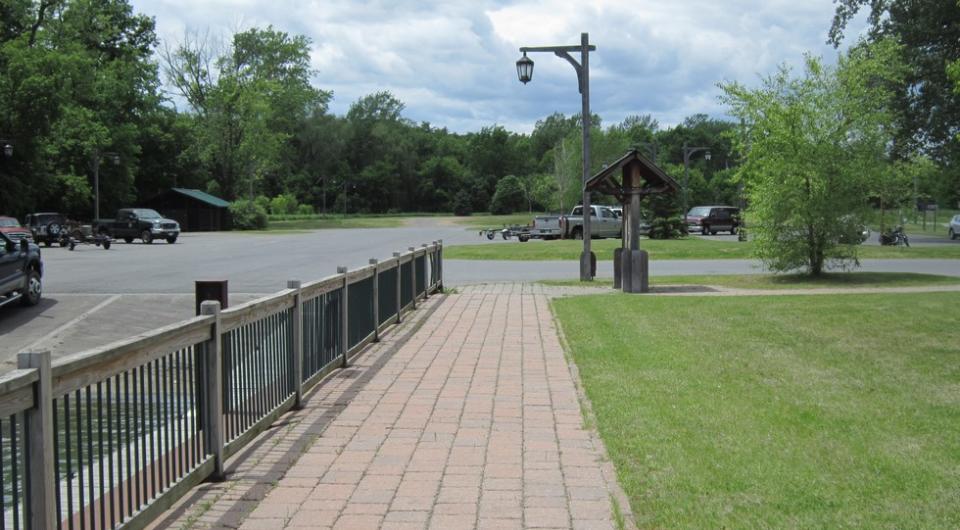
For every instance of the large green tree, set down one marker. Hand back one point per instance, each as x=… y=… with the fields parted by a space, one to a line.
x=77 y=81
x=813 y=144
x=249 y=103
x=927 y=108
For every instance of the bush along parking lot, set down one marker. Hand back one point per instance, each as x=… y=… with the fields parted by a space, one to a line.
x=827 y=411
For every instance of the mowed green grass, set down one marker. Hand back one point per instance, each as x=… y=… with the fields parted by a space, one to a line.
x=479 y=221
x=829 y=411
x=786 y=281
x=334 y=221
x=688 y=248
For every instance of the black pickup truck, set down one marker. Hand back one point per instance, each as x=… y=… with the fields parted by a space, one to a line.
x=142 y=223
x=20 y=271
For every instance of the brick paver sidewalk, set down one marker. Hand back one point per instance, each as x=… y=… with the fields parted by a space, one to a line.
x=474 y=422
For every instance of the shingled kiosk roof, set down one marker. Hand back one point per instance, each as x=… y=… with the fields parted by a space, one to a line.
x=655 y=180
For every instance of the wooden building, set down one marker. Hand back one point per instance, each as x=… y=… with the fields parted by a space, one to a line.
x=196 y=211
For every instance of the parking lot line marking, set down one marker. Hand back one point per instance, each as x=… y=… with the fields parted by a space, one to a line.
x=53 y=334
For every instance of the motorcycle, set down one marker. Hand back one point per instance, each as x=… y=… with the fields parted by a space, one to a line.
x=895 y=237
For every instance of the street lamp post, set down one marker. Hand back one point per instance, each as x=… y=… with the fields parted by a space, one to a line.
x=687 y=153
x=525 y=73
x=95 y=162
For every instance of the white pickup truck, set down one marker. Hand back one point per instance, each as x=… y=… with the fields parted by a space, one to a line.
x=604 y=222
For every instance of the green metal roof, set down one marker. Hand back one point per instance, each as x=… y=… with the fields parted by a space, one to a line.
x=203 y=197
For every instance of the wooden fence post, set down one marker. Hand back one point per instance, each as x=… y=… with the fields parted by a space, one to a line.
x=376 y=300
x=399 y=290
x=413 y=275
x=213 y=388
x=426 y=271
x=38 y=424
x=440 y=263
x=344 y=307
x=297 y=329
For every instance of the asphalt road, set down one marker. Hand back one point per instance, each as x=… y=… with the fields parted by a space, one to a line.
x=94 y=296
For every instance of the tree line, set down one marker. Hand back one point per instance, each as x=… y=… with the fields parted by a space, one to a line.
x=84 y=79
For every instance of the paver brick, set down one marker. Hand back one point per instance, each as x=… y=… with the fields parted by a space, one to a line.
x=473 y=422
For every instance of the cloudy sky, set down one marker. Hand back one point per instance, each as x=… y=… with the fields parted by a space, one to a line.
x=452 y=62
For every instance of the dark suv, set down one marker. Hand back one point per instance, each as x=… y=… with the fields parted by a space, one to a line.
x=713 y=219
x=20 y=271
x=46 y=227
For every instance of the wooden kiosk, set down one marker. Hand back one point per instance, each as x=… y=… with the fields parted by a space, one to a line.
x=639 y=177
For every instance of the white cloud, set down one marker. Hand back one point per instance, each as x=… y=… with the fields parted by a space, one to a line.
x=452 y=62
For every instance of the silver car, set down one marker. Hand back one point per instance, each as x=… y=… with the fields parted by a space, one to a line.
x=955 y=227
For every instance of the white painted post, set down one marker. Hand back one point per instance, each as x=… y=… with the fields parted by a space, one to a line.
x=213 y=387
x=38 y=423
x=297 y=328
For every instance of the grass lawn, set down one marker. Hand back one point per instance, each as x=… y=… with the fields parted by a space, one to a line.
x=479 y=221
x=319 y=222
x=786 y=281
x=831 y=411
x=689 y=248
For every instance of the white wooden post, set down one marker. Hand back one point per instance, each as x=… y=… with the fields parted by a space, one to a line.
x=399 y=290
x=297 y=329
x=376 y=300
x=413 y=275
x=213 y=387
x=344 y=327
x=440 y=263
x=426 y=271
x=38 y=423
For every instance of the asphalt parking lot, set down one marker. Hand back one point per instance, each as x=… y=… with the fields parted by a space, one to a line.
x=93 y=296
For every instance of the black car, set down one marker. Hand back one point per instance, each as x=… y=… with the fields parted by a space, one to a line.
x=46 y=227
x=712 y=219
x=21 y=270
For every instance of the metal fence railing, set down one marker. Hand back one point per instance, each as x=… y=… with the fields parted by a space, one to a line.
x=111 y=437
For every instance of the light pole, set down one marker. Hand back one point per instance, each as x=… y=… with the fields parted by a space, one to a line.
x=687 y=153
x=95 y=162
x=525 y=73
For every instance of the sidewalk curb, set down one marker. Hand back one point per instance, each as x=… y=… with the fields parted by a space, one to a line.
x=619 y=501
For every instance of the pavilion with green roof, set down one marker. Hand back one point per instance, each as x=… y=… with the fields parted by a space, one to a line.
x=195 y=210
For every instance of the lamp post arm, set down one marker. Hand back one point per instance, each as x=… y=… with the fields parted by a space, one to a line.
x=554 y=49
x=576 y=66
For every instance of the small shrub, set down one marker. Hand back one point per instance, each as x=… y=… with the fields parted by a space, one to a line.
x=667 y=228
x=666 y=218
x=305 y=209
x=248 y=215
x=263 y=201
x=283 y=204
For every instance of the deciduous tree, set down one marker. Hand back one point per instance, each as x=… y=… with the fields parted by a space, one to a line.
x=814 y=143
